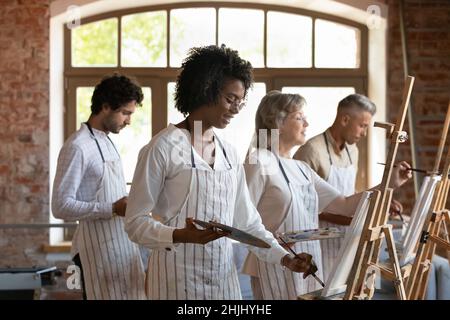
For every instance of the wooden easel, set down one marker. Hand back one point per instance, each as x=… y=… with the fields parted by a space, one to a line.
x=361 y=283
x=435 y=222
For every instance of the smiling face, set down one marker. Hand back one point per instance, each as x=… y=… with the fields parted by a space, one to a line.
x=228 y=105
x=293 y=129
x=116 y=120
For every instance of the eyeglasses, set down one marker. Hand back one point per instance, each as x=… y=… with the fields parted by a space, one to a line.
x=301 y=118
x=232 y=101
x=296 y=116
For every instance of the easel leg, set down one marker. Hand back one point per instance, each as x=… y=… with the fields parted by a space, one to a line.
x=398 y=282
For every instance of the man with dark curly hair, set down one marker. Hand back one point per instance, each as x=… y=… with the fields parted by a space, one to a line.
x=186 y=172
x=89 y=187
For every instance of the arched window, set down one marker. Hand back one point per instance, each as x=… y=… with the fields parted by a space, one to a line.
x=322 y=57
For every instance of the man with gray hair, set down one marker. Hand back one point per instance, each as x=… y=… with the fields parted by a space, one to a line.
x=333 y=154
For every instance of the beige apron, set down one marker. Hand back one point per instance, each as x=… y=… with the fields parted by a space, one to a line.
x=343 y=179
x=112 y=264
x=195 y=271
x=278 y=283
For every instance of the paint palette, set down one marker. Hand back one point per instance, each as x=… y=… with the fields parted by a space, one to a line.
x=235 y=234
x=312 y=234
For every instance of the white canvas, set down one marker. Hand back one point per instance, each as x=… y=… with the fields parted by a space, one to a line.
x=337 y=280
x=418 y=216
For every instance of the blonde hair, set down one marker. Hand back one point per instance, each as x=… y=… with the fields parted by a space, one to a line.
x=274 y=107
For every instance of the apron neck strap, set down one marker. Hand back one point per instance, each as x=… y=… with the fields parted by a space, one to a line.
x=348 y=153
x=188 y=127
x=328 y=150
x=223 y=150
x=96 y=141
x=98 y=145
x=284 y=172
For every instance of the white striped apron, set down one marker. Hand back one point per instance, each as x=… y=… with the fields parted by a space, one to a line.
x=277 y=282
x=343 y=179
x=112 y=265
x=195 y=271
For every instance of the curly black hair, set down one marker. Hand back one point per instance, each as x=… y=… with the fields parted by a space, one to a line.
x=204 y=73
x=115 y=90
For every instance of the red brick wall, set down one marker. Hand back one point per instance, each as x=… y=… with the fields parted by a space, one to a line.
x=24 y=122
x=427 y=25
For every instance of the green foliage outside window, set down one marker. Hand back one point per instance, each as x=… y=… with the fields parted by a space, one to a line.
x=144 y=39
x=95 y=44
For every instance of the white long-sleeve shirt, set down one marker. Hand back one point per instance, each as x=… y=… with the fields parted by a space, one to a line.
x=78 y=176
x=271 y=194
x=161 y=184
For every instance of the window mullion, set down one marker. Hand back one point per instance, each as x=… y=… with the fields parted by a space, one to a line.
x=119 y=42
x=265 y=38
x=313 y=43
x=217 y=26
x=168 y=38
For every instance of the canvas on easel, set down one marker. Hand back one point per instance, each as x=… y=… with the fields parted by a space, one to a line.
x=418 y=215
x=337 y=280
x=434 y=231
x=430 y=236
x=366 y=265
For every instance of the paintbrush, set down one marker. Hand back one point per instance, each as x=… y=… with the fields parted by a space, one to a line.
x=410 y=169
x=312 y=262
